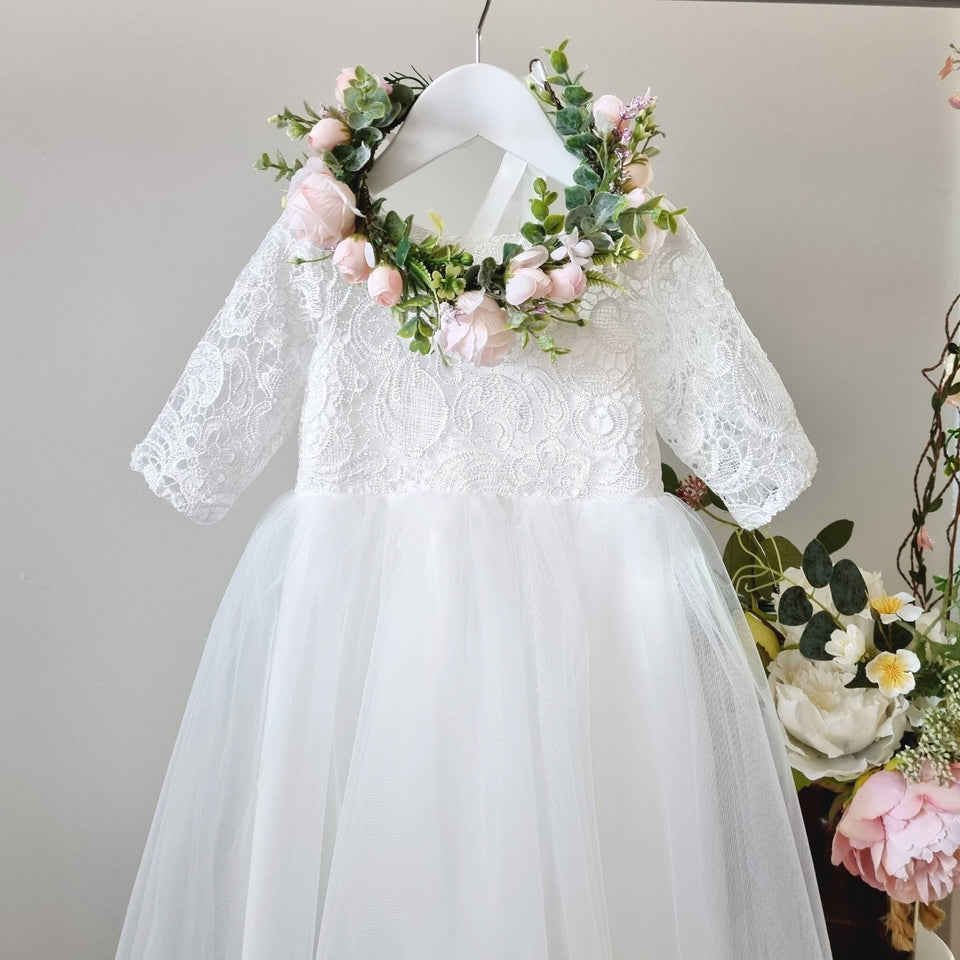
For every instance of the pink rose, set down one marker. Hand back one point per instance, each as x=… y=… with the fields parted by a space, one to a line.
x=524 y=283
x=608 y=112
x=566 y=283
x=354 y=258
x=903 y=837
x=327 y=134
x=385 y=285
x=638 y=176
x=476 y=328
x=320 y=207
x=344 y=78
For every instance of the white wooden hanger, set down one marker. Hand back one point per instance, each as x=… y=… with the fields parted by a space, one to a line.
x=470 y=101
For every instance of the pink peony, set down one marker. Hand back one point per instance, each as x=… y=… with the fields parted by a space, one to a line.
x=385 y=285
x=608 y=112
x=566 y=283
x=327 y=134
x=320 y=207
x=354 y=258
x=903 y=837
x=476 y=328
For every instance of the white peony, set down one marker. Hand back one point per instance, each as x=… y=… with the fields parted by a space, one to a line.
x=832 y=730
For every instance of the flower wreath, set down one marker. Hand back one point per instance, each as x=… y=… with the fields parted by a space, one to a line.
x=438 y=292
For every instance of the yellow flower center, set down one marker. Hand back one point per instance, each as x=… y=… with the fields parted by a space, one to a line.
x=885 y=604
x=892 y=672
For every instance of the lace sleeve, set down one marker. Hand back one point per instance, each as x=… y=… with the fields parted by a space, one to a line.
x=718 y=401
x=237 y=399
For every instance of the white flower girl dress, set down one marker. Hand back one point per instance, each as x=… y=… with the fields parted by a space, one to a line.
x=478 y=688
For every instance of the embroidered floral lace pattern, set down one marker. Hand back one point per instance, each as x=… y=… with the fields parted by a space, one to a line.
x=668 y=351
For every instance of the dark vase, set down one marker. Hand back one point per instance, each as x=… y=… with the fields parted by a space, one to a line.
x=852 y=909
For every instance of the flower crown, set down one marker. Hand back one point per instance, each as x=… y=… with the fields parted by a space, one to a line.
x=442 y=297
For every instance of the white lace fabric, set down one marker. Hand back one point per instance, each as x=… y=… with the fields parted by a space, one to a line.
x=667 y=351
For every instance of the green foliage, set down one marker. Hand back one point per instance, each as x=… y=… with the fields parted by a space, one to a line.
x=816 y=634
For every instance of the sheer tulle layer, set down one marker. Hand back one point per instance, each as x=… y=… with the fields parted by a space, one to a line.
x=471 y=727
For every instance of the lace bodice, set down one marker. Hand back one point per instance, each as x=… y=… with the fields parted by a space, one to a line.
x=667 y=351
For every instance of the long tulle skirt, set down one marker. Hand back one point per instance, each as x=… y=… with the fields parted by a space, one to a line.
x=444 y=726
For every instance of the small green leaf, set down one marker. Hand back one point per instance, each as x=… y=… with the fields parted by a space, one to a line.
x=671 y=482
x=558 y=61
x=533 y=232
x=586 y=176
x=795 y=607
x=403 y=248
x=409 y=328
x=540 y=209
x=817 y=565
x=816 y=635
x=553 y=224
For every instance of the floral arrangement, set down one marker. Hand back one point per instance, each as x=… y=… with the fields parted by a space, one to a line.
x=440 y=295
x=952 y=63
x=866 y=681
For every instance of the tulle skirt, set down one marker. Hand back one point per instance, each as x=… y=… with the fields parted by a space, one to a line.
x=445 y=726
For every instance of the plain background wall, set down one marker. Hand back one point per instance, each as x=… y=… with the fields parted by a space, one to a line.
x=812 y=144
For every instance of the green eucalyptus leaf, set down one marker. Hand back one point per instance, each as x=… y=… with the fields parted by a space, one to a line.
x=817 y=565
x=569 y=121
x=576 y=196
x=409 y=328
x=358 y=159
x=835 y=536
x=816 y=635
x=795 y=607
x=847 y=588
x=575 y=95
x=606 y=206
x=586 y=176
x=860 y=680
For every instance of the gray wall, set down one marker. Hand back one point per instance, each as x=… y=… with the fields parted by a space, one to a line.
x=812 y=144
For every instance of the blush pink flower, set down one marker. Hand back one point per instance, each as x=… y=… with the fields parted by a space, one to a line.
x=567 y=283
x=385 y=285
x=954 y=101
x=476 y=328
x=354 y=258
x=319 y=207
x=608 y=114
x=525 y=283
x=903 y=838
x=924 y=540
x=637 y=176
x=327 y=134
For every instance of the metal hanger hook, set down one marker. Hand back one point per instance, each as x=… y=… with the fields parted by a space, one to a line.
x=483 y=16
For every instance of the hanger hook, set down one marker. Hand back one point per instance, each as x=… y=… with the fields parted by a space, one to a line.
x=483 y=16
